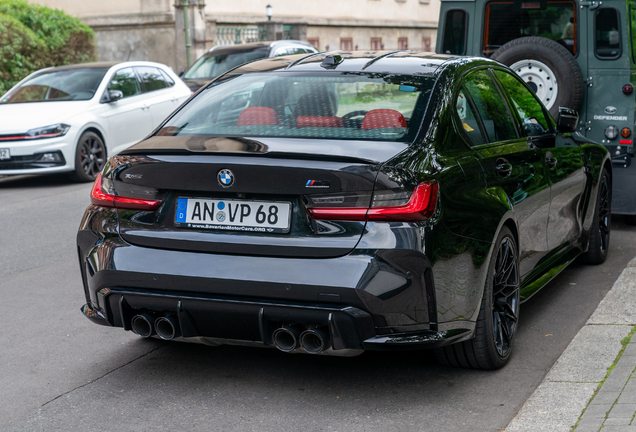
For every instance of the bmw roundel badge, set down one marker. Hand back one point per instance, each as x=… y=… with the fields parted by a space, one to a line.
x=225 y=178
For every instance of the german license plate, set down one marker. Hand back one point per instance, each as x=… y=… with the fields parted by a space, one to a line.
x=234 y=215
x=5 y=153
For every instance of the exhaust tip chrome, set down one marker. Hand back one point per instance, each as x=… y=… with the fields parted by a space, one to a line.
x=143 y=325
x=286 y=338
x=167 y=327
x=314 y=341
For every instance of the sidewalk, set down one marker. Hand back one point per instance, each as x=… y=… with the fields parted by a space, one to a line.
x=593 y=384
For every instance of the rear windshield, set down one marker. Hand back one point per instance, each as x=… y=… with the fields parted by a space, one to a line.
x=66 y=85
x=211 y=66
x=357 y=106
x=505 y=21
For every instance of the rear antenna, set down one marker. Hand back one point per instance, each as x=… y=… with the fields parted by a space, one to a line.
x=318 y=54
x=331 y=61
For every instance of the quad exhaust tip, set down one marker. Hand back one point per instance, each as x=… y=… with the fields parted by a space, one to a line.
x=167 y=327
x=143 y=325
x=314 y=341
x=286 y=338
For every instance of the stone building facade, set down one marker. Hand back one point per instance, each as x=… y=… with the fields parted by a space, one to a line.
x=154 y=29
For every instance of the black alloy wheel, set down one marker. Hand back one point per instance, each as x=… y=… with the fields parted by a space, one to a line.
x=505 y=296
x=602 y=224
x=499 y=314
x=90 y=157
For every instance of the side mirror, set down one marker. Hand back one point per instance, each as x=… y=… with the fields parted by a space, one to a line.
x=568 y=120
x=115 y=95
x=181 y=74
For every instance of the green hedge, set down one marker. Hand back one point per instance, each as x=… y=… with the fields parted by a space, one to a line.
x=34 y=36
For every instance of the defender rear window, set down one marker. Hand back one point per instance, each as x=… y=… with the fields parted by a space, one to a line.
x=607 y=39
x=357 y=106
x=506 y=21
x=454 y=39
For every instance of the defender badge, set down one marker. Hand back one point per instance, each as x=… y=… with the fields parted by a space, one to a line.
x=225 y=178
x=610 y=110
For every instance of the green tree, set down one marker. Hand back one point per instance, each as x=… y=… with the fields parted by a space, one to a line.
x=34 y=36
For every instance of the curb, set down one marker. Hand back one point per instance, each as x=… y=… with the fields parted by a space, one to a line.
x=573 y=381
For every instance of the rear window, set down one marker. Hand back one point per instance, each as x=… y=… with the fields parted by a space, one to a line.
x=211 y=66
x=607 y=40
x=356 y=106
x=506 y=21
x=454 y=39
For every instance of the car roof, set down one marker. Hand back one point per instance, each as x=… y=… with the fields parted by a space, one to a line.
x=102 y=65
x=252 y=46
x=400 y=62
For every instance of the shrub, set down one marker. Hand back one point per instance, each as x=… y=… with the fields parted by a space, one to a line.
x=60 y=39
x=21 y=52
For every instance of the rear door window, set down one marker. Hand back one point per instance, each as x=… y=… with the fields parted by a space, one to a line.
x=151 y=79
x=607 y=35
x=125 y=80
x=507 y=20
x=455 y=28
x=490 y=106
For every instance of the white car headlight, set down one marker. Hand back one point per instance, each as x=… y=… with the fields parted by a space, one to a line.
x=55 y=130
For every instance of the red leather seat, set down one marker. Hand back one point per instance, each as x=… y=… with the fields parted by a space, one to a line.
x=258 y=116
x=319 y=121
x=383 y=118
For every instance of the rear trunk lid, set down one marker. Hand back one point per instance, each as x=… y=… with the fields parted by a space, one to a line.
x=265 y=180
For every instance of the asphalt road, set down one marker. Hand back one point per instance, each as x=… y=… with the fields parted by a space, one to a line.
x=58 y=371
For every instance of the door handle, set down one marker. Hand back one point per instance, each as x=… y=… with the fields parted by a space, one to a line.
x=550 y=160
x=504 y=167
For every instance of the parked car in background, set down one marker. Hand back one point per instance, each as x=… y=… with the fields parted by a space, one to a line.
x=340 y=203
x=72 y=118
x=221 y=59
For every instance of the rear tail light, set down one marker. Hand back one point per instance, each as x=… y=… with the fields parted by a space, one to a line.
x=387 y=206
x=626 y=132
x=628 y=89
x=101 y=198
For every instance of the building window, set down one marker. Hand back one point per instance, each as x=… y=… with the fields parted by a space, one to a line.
x=376 y=44
x=426 y=44
x=403 y=43
x=346 y=44
x=314 y=42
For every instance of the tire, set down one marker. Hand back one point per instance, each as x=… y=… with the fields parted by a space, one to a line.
x=90 y=157
x=498 y=316
x=602 y=224
x=551 y=62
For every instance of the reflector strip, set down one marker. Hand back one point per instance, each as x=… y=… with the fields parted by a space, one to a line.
x=626 y=142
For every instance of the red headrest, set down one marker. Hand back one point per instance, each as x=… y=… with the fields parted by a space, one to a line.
x=258 y=116
x=319 y=121
x=383 y=118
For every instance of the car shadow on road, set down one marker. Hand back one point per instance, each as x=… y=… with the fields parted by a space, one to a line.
x=35 y=181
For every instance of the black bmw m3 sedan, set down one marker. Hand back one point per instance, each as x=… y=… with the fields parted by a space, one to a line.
x=340 y=202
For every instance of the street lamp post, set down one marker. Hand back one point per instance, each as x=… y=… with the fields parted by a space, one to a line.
x=269 y=11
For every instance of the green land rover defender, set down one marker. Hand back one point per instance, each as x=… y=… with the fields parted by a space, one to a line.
x=575 y=54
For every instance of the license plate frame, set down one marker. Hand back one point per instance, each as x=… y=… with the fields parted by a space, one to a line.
x=5 y=153
x=232 y=215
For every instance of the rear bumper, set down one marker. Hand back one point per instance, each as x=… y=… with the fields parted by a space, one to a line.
x=349 y=328
x=380 y=296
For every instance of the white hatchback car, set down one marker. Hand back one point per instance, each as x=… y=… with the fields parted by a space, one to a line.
x=71 y=118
